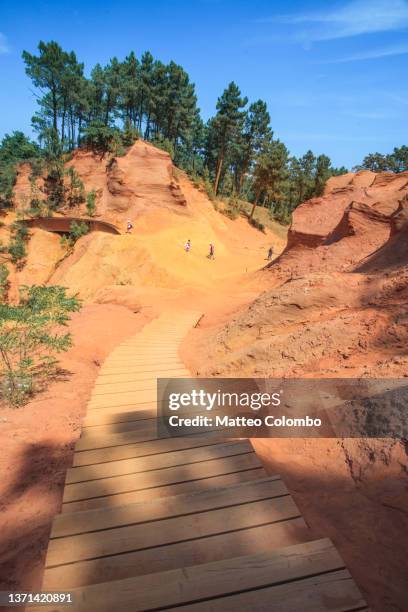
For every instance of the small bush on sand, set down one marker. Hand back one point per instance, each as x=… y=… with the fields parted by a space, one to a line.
x=164 y=144
x=91 y=203
x=17 y=245
x=30 y=338
x=130 y=134
x=77 y=230
x=260 y=226
x=75 y=192
x=4 y=283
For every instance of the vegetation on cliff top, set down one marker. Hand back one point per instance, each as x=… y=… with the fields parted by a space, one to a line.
x=235 y=153
x=145 y=98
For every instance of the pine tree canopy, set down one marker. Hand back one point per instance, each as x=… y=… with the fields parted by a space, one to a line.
x=234 y=153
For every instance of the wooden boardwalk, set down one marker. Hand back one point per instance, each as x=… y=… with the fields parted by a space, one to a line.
x=190 y=523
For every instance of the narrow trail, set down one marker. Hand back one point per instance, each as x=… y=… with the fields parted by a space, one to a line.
x=191 y=522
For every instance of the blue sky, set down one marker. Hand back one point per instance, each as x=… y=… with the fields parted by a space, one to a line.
x=334 y=74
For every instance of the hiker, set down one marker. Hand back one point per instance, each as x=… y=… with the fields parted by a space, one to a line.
x=211 y=253
x=187 y=246
x=270 y=253
x=129 y=227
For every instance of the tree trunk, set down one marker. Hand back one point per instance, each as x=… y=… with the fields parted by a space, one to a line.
x=255 y=204
x=147 y=131
x=63 y=127
x=218 y=171
x=54 y=109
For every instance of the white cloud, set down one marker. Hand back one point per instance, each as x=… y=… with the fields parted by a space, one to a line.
x=4 y=48
x=351 y=19
x=401 y=49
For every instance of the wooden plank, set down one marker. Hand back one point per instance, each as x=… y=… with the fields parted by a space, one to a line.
x=107 y=417
x=147 y=430
x=132 y=537
x=122 y=353
x=143 y=352
x=159 y=478
x=150 y=447
x=157 y=361
x=110 y=420
x=331 y=592
x=124 y=387
x=179 y=488
x=146 y=346
x=118 y=427
x=139 y=356
x=136 y=376
x=156 y=462
x=135 y=386
x=146 y=366
x=209 y=580
x=179 y=505
x=115 y=406
x=213 y=546
x=145 y=371
x=116 y=399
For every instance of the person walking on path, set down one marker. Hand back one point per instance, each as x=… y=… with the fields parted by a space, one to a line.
x=211 y=252
x=187 y=246
x=270 y=253
x=129 y=227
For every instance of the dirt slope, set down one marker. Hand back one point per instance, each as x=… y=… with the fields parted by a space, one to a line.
x=335 y=306
x=338 y=291
x=355 y=217
x=166 y=210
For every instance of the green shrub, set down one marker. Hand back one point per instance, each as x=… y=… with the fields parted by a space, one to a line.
x=31 y=337
x=164 y=144
x=17 y=245
x=77 y=230
x=7 y=181
x=37 y=168
x=231 y=213
x=260 y=226
x=91 y=203
x=54 y=187
x=66 y=242
x=4 y=283
x=208 y=185
x=99 y=137
x=129 y=135
x=75 y=192
x=14 y=148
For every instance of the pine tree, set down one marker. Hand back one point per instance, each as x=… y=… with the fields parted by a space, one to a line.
x=147 y=69
x=270 y=174
x=323 y=172
x=14 y=148
x=256 y=133
x=52 y=72
x=130 y=89
x=226 y=126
